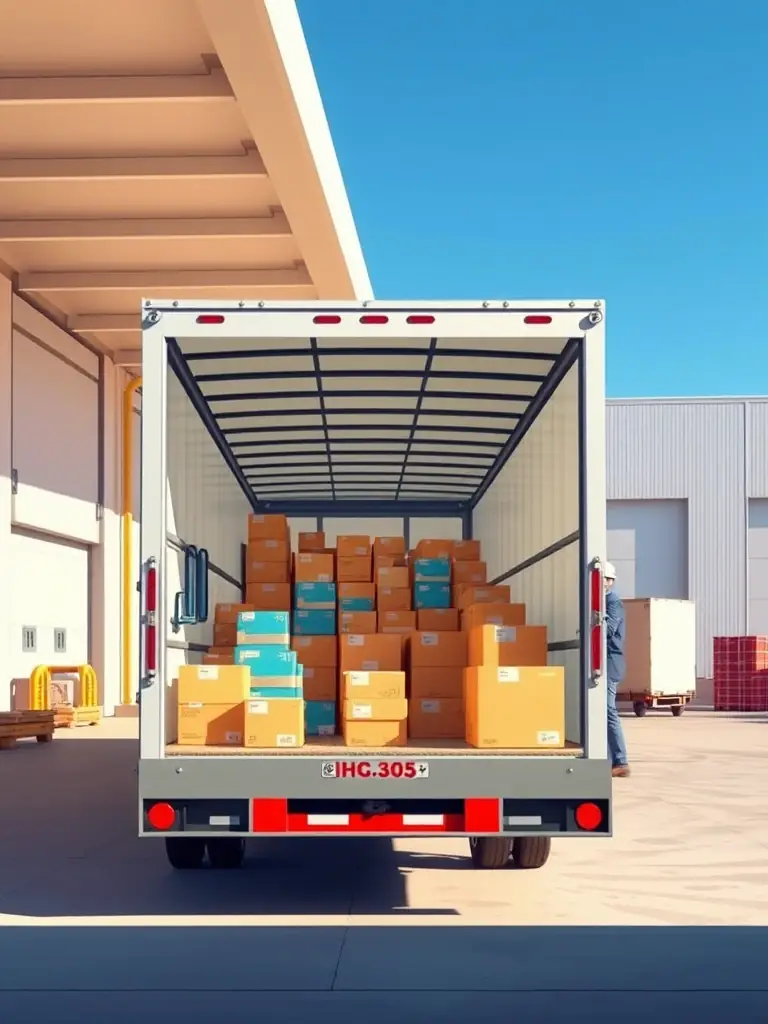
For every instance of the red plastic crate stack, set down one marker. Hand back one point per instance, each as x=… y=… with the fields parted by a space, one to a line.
x=741 y=673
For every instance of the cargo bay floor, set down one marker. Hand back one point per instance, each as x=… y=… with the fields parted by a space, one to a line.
x=339 y=929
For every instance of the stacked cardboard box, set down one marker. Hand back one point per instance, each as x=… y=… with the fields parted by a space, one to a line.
x=314 y=630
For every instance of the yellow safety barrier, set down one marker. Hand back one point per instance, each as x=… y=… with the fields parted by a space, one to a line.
x=128 y=681
x=40 y=685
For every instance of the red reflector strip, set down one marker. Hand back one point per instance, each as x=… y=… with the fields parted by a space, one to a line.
x=482 y=814
x=420 y=319
x=210 y=318
x=151 y=650
x=375 y=823
x=270 y=815
x=596 y=631
x=371 y=319
x=326 y=318
x=151 y=590
x=538 y=320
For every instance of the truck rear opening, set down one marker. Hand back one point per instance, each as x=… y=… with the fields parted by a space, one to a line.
x=441 y=421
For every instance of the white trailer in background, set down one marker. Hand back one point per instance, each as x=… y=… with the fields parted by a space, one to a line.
x=438 y=419
x=660 y=654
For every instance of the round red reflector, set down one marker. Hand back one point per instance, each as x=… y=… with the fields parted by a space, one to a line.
x=161 y=817
x=374 y=319
x=326 y=318
x=588 y=817
x=538 y=320
x=210 y=318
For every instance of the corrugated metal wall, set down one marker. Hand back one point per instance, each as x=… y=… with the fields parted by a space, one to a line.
x=714 y=454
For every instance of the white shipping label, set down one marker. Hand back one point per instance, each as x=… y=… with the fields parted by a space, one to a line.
x=355 y=640
x=359 y=679
x=196 y=705
x=287 y=739
x=429 y=639
x=248 y=616
x=506 y=634
x=362 y=711
x=233 y=738
x=549 y=738
x=361 y=552
x=303 y=641
x=370 y=666
x=268 y=588
x=508 y=675
x=270 y=543
x=326 y=730
x=324 y=577
x=430 y=707
x=258 y=707
x=208 y=672
x=305 y=559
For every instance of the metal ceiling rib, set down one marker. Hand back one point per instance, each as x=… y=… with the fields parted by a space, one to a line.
x=384 y=444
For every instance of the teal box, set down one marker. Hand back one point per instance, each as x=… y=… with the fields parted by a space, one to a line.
x=432 y=595
x=320 y=718
x=356 y=604
x=268 y=662
x=314 y=622
x=432 y=570
x=273 y=628
x=315 y=596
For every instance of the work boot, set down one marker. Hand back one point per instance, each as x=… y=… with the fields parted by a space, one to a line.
x=620 y=771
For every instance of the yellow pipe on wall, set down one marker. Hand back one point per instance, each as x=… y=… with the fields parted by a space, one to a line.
x=127 y=682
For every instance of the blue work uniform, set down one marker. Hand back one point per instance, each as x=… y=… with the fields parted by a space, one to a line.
x=615 y=629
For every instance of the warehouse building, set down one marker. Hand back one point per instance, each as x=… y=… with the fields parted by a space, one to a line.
x=688 y=509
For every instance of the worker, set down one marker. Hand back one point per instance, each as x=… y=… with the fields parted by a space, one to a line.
x=615 y=629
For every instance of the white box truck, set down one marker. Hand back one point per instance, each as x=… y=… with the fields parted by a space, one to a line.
x=443 y=420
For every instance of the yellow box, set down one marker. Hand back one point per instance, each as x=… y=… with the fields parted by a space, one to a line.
x=368 y=686
x=393 y=709
x=213 y=684
x=375 y=735
x=508 y=645
x=210 y=725
x=275 y=723
x=515 y=708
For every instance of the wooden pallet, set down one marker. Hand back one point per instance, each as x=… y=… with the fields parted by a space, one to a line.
x=68 y=717
x=17 y=725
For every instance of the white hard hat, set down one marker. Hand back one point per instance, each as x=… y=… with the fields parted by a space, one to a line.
x=609 y=572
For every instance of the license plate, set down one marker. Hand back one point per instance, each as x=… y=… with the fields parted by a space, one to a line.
x=399 y=770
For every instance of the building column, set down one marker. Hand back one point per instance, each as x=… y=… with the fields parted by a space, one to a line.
x=6 y=498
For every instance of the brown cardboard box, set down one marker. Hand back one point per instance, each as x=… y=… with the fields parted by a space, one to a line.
x=224 y=634
x=353 y=570
x=492 y=615
x=428 y=683
x=436 y=719
x=397 y=622
x=357 y=622
x=229 y=612
x=224 y=656
x=266 y=572
x=269 y=549
x=433 y=650
x=213 y=684
x=396 y=576
x=274 y=723
x=438 y=620
x=370 y=653
x=313 y=568
x=382 y=562
x=466 y=594
x=261 y=527
x=383 y=709
x=466 y=550
x=394 y=546
x=508 y=645
x=434 y=549
x=515 y=708
x=311 y=542
x=353 y=546
x=269 y=597
x=375 y=735
x=364 y=590
x=210 y=725
x=316 y=651
x=391 y=599
x=320 y=682
x=473 y=573
x=368 y=686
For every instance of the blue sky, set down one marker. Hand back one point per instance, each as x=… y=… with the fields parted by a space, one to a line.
x=599 y=148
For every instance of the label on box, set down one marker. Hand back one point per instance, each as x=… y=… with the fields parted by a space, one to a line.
x=429 y=640
x=430 y=707
x=305 y=559
x=326 y=730
x=309 y=672
x=355 y=640
x=234 y=738
x=268 y=588
x=248 y=616
x=208 y=672
x=359 y=678
x=303 y=641
x=362 y=711
x=361 y=552
x=287 y=739
x=258 y=707
x=196 y=704
x=324 y=577
x=548 y=738
x=270 y=543
x=494 y=620
x=370 y=666
x=506 y=634
x=258 y=566
x=224 y=607
x=508 y=675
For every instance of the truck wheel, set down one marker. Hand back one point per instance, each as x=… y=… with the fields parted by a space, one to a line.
x=640 y=708
x=185 y=854
x=677 y=709
x=490 y=851
x=226 y=852
x=531 y=851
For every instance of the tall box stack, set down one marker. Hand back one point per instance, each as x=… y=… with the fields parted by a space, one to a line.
x=314 y=632
x=222 y=652
x=436 y=706
x=382 y=721
x=274 y=711
x=375 y=708
x=268 y=563
x=740 y=666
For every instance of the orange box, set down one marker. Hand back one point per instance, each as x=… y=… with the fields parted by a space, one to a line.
x=493 y=615
x=224 y=634
x=372 y=709
x=316 y=651
x=311 y=567
x=213 y=684
x=269 y=549
x=433 y=650
x=367 y=591
x=438 y=620
x=493 y=646
x=466 y=594
x=469 y=572
x=367 y=686
x=274 y=723
x=434 y=549
x=266 y=572
x=312 y=542
x=320 y=682
x=515 y=708
x=224 y=656
x=372 y=652
x=353 y=569
x=375 y=735
x=269 y=597
x=353 y=546
x=396 y=576
x=229 y=612
x=357 y=622
x=394 y=599
x=382 y=562
x=436 y=718
x=397 y=622
x=263 y=527
x=389 y=546
x=466 y=550
x=211 y=725
x=428 y=683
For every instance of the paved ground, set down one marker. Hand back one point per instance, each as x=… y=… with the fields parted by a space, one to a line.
x=340 y=929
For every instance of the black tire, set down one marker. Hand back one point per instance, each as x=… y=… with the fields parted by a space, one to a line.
x=226 y=852
x=185 y=854
x=677 y=709
x=490 y=852
x=531 y=851
x=640 y=708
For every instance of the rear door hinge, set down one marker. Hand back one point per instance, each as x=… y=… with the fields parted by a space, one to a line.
x=14 y=481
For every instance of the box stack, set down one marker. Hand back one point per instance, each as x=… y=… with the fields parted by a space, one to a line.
x=314 y=631
x=268 y=564
x=741 y=673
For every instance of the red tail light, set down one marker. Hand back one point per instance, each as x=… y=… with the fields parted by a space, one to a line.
x=538 y=320
x=150 y=609
x=326 y=318
x=210 y=318
x=420 y=319
x=374 y=319
x=596 y=618
x=161 y=816
x=588 y=817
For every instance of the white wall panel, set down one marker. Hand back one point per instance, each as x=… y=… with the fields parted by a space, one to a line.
x=648 y=545
x=336 y=525
x=757 y=623
x=439 y=528
x=757 y=448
